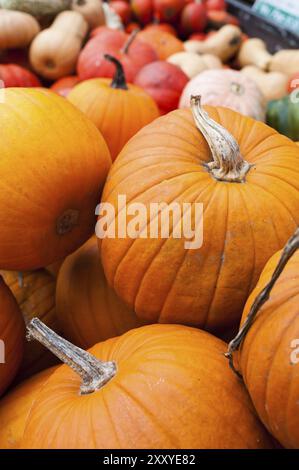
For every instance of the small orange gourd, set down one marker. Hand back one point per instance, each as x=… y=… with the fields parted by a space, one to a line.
x=118 y=109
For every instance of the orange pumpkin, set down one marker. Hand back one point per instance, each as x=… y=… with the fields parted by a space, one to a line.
x=162 y=384
x=89 y=311
x=35 y=294
x=12 y=335
x=54 y=163
x=164 y=44
x=15 y=408
x=118 y=109
x=269 y=353
x=252 y=169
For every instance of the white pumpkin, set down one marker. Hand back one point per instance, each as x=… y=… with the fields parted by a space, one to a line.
x=227 y=88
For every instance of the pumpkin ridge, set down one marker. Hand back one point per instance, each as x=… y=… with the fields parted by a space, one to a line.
x=162 y=244
x=251 y=276
x=221 y=260
x=267 y=191
x=186 y=254
x=148 y=412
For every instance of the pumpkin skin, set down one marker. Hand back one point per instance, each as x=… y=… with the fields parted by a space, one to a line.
x=88 y=309
x=12 y=336
x=17 y=29
x=15 y=76
x=227 y=88
x=164 y=82
x=283 y=115
x=91 y=61
x=107 y=105
x=15 y=408
x=38 y=225
x=205 y=287
x=35 y=294
x=269 y=373
x=164 y=44
x=152 y=400
x=64 y=85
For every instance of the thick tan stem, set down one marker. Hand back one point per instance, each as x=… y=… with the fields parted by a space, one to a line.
x=94 y=373
x=290 y=248
x=228 y=163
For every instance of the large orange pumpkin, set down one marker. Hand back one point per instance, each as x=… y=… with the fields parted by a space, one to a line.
x=158 y=388
x=53 y=165
x=118 y=109
x=88 y=309
x=269 y=353
x=35 y=294
x=249 y=189
x=12 y=336
x=164 y=44
x=15 y=408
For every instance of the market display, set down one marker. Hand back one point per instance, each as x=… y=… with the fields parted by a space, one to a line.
x=149 y=241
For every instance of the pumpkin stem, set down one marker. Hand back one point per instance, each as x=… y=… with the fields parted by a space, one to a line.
x=290 y=248
x=228 y=163
x=94 y=373
x=119 y=79
x=131 y=38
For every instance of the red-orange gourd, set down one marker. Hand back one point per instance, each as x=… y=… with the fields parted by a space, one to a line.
x=88 y=309
x=35 y=294
x=53 y=166
x=12 y=337
x=248 y=186
x=162 y=387
x=64 y=85
x=15 y=408
x=269 y=354
x=164 y=44
x=118 y=109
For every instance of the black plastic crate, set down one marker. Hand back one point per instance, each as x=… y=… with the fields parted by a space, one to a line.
x=254 y=25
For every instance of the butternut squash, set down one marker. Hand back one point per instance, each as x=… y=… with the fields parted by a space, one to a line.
x=254 y=52
x=17 y=29
x=193 y=64
x=273 y=85
x=224 y=44
x=54 y=51
x=91 y=10
x=286 y=61
x=38 y=8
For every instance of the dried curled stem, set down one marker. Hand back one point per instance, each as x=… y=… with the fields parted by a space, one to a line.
x=228 y=163
x=290 y=248
x=94 y=373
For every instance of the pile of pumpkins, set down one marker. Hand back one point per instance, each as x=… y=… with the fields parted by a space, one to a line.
x=142 y=324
